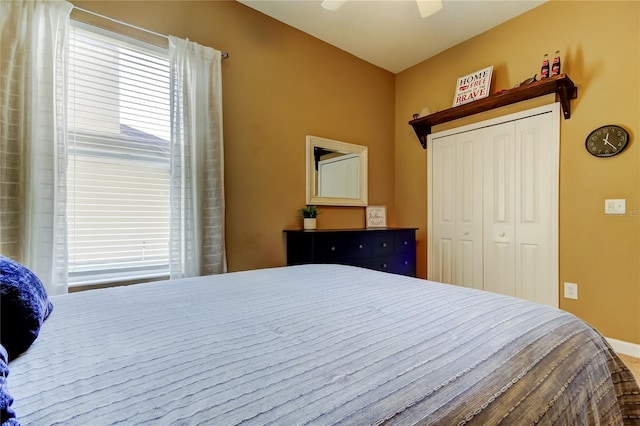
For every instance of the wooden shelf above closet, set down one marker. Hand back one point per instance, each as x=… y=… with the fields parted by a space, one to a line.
x=561 y=85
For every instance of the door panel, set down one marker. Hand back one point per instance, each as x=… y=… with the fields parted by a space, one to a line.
x=528 y=273
x=499 y=261
x=537 y=211
x=499 y=204
x=468 y=206
x=443 y=156
x=457 y=212
x=444 y=268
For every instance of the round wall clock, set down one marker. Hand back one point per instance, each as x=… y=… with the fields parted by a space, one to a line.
x=607 y=141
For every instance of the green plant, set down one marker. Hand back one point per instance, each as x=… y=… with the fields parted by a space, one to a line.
x=309 y=211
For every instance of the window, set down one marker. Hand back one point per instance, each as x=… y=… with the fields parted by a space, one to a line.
x=119 y=152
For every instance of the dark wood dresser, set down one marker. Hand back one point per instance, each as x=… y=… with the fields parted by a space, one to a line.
x=383 y=249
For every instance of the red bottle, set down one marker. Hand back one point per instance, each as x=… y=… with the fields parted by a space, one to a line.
x=555 y=67
x=544 y=71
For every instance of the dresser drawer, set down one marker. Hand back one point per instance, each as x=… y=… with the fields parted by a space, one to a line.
x=405 y=242
x=394 y=264
x=382 y=243
x=331 y=248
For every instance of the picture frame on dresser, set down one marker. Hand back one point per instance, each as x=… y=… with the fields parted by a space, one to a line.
x=376 y=216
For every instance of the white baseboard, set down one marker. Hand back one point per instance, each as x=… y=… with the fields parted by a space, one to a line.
x=625 y=348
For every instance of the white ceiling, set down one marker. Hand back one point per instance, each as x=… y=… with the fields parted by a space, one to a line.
x=390 y=33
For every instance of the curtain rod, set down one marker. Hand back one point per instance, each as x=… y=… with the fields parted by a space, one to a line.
x=225 y=55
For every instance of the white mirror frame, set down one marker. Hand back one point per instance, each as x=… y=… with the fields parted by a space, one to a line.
x=312 y=199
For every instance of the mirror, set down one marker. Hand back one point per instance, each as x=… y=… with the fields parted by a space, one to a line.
x=336 y=173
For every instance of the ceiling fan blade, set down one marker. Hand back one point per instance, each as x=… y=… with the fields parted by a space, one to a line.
x=333 y=4
x=429 y=7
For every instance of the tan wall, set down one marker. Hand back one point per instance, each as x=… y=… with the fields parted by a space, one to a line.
x=279 y=85
x=600 y=47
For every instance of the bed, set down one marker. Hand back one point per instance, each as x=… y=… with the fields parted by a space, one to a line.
x=315 y=344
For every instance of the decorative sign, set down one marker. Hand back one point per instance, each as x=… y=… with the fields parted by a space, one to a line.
x=473 y=86
x=376 y=216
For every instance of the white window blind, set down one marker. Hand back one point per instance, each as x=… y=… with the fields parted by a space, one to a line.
x=118 y=170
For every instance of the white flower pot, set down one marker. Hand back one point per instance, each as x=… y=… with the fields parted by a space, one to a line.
x=309 y=223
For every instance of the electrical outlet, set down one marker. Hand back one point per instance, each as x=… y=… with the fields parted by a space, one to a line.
x=570 y=291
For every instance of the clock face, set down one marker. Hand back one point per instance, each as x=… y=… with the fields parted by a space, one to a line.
x=607 y=141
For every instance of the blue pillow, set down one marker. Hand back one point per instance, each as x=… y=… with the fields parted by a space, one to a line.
x=23 y=307
x=7 y=415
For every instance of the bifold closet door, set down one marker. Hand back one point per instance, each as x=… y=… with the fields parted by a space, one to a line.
x=520 y=210
x=457 y=211
x=499 y=205
x=493 y=206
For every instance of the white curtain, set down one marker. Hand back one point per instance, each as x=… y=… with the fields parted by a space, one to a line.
x=34 y=44
x=197 y=241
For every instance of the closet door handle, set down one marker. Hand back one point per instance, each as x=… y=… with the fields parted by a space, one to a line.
x=501 y=234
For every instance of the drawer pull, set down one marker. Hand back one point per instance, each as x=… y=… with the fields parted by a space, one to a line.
x=333 y=248
x=406 y=262
x=360 y=246
x=384 y=244
x=406 y=243
x=384 y=266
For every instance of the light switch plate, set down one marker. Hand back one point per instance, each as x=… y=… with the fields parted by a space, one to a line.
x=617 y=206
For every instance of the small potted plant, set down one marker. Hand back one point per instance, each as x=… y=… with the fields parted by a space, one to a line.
x=309 y=214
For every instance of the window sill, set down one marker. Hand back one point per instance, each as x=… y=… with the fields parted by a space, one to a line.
x=116 y=278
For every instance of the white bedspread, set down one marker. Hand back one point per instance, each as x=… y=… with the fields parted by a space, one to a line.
x=320 y=344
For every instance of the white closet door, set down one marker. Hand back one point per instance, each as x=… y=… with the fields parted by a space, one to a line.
x=493 y=205
x=457 y=211
x=468 y=209
x=520 y=210
x=536 y=240
x=499 y=190
x=443 y=156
